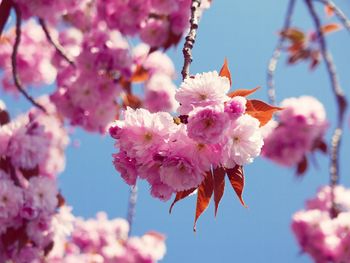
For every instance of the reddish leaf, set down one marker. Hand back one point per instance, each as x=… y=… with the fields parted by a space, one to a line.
x=261 y=110
x=330 y=28
x=140 y=74
x=48 y=248
x=4 y=117
x=13 y=235
x=293 y=34
x=242 y=92
x=236 y=178
x=173 y=39
x=302 y=166
x=61 y=201
x=315 y=59
x=205 y=191
x=225 y=71
x=130 y=100
x=219 y=186
x=29 y=173
x=179 y=196
x=5 y=8
x=329 y=11
x=321 y=146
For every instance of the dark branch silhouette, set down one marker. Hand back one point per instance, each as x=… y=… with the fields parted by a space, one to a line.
x=340 y=99
x=277 y=53
x=56 y=45
x=16 y=79
x=190 y=38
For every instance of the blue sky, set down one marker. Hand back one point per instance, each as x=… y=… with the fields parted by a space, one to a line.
x=245 y=32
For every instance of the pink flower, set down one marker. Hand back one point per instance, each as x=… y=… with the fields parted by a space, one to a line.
x=126 y=166
x=235 y=107
x=207 y=89
x=155 y=32
x=207 y=125
x=11 y=199
x=243 y=141
x=160 y=94
x=164 y=6
x=42 y=192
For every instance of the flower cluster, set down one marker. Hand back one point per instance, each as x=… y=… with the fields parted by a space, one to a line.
x=159 y=89
x=33 y=58
x=104 y=240
x=321 y=233
x=299 y=131
x=213 y=130
x=158 y=23
x=31 y=154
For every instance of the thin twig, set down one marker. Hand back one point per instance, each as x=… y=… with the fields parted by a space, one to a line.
x=190 y=38
x=338 y=12
x=16 y=79
x=56 y=45
x=340 y=99
x=132 y=207
x=277 y=53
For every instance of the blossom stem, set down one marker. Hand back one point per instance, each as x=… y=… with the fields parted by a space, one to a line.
x=340 y=99
x=190 y=38
x=338 y=12
x=271 y=69
x=16 y=79
x=55 y=44
x=132 y=207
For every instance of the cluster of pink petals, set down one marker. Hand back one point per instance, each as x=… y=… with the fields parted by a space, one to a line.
x=158 y=23
x=323 y=234
x=300 y=128
x=87 y=92
x=33 y=58
x=102 y=240
x=159 y=88
x=50 y=10
x=214 y=131
x=31 y=155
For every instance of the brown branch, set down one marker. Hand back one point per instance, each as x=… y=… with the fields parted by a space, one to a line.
x=340 y=99
x=338 y=12
x=271 y=69
x=190 y=38
x=56 y=45
x=5 y=9
x=16 y=79
x=132 y=206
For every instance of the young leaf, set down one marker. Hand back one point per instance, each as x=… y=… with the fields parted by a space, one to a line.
x=236 y=178
x=132 y=101
x=328 y=9
x=179 y=196
x=225 y=71
x=293 y=34
x=5 y=8
x=261 y=110
x=302 y=166
x=4 y=117
x=219 y=185
x=205 y=191
x=242 y=92
x=331 y=27
x=29 y=173
x=140 y=75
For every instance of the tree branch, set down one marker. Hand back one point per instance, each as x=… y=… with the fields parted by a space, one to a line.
x=190 y=38
x=56 y=45
x=340 y=99
x=338 y=12
x=132 y=206
x=16 y=79
x=276 y=55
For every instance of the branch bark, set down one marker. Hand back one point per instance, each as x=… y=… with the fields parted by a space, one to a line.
x=190 y=39
x=56 y=45
x=340 y=99
x=276 y=55
x=16 y=79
